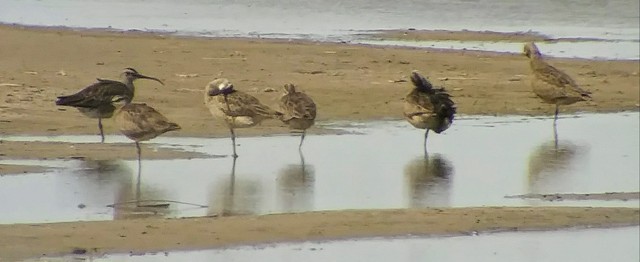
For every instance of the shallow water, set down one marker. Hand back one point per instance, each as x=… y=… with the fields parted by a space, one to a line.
x=477 y=162
x=615 y=244
x=602 y=50
x=340 y=20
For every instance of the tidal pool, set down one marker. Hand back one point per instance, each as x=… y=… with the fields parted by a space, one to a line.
x=479 y=161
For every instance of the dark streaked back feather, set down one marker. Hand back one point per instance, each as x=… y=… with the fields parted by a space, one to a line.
x=430 y=99
x=554 y=76
x=297 y=105
x=96 y=95
x=237 y=103
x=420 y=82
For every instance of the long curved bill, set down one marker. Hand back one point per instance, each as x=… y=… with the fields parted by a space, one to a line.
x=148 y=77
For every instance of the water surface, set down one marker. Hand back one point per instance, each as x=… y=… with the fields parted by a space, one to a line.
x=477 y=162
x=339 y=20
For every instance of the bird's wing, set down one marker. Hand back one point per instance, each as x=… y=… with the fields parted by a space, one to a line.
x=242 y=104
x=137 y=119
x=417 y=103
x=95 y=95
x=556 y=77
x=297 y=105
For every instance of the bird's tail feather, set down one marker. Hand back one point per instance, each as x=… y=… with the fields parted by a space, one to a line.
x=420 y=82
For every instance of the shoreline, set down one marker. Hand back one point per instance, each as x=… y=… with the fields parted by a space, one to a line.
x=133 y=236
x=348 y=83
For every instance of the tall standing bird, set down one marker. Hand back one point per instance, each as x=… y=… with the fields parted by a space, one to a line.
x=236 y=108
x=96 y=100
x=140 y=122
x=429 y=108
x=298 y=110
x=550 y=84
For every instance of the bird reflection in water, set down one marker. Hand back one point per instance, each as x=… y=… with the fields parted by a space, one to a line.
x=429 y=180
x=548 y=163
x=234 y=197
x=130 y=203
x=295 y=186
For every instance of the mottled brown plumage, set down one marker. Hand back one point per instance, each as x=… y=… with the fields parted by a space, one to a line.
x=429 y=108
x=236 y=108
x=298 y=110
x=96 y=100
x=140 y=122
x=550 y=84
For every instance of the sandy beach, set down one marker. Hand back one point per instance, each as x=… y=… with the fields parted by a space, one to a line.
x=348 y=82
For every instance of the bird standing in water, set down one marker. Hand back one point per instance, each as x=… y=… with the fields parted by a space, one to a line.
x=550 y=84
x=96 y=100
x=428 y=108
x=140 y=122
x=298 y=109
x=238 y=109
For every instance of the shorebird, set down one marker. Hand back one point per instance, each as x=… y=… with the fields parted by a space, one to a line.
x=96 y=100
x=550 y=84
x=429 y=108
x=140 y=122
x=298 y=110
x=236 y=108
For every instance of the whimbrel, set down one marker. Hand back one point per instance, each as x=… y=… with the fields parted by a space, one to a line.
x=550 y=84
x=96 y=100
x=298 y=109
x=140 y=122
x=236 y=108
x=429 y=108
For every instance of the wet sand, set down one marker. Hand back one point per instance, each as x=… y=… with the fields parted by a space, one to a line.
x=348 y=82
x=149 y=235
x=89 y=151
x=624 y=196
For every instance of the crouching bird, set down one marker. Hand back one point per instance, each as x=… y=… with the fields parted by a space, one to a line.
x=428 y=108
x=298 y=110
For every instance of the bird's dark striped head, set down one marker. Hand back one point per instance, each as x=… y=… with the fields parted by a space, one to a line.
x=131 y=74
x=130 y=70
x=289 y=88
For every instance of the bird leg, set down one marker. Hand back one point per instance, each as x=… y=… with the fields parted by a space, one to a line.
x=426 y=134
x=233 y=141
x=139 y=175
x=139 y=157
x=101 y=131
x=302 y=139
x=233 y=134
x=555 y=134
x=302 y=166
x=555 y=127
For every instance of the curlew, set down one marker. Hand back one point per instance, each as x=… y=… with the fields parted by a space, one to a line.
x=298 y=110
x=236 y=108
x=428 y=108
x=140 y=122
x=550 y=84
x=96 y=100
